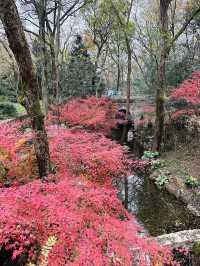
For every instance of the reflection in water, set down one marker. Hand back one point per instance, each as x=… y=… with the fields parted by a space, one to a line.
x=156 y=210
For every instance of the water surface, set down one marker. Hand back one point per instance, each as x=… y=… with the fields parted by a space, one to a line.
x=157 y=210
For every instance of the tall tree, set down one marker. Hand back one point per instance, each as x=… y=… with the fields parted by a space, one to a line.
x=99 y=22
x=116 y=52
x=42 y=10
x=59 y=12
x=166 y=43
x=123 y=17
x=161 y=89
x=38 y=9
x=52 y=16
x=19 y=46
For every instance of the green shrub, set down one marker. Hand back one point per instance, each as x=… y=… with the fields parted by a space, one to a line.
x=7 y=110
x=3 y=98
x=191 y=181
x=156 y=164
x=20 y=109
x=161 y=180
x=196 y=249
x=150 y=155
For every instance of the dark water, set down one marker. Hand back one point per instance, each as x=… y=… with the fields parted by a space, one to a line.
x=158 y=211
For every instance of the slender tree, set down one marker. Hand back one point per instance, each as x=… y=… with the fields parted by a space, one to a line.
x=99 y=22
x=166 y=43
x=127 y=30
x=160 y=93
x=42 y=10
x=19 y=46
x=60 y=11
x=52 y=16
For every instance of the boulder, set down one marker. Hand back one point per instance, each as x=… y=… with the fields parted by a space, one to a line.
x=186 y=238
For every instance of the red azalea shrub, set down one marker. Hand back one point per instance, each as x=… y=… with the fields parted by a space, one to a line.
x=16 y=152
x=183 y=112
x=88 y=222
x=9 y=134
x=142 y=122
x=78 y=152
x=89 y=154
x=92 y=113
x=148 y=113
x=85 y=220
x=141 y=167
x=189 y=91
x=148 y=109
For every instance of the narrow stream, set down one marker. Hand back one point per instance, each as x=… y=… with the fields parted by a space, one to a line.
x=157 y=210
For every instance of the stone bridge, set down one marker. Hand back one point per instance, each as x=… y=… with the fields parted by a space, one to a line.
x=136 y=103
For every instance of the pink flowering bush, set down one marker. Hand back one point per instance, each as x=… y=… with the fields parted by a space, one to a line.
x=16 y=152
x=76 y=218
x=183 y=112
x=189 y=91
x=92 y=113
x=90 y=224
x=92 y=155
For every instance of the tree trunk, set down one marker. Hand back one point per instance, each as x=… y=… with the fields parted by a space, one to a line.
x=57 y=51
x=98 y=85
x=18 y=44
x=161 y=89
x=129 y=54
x=44 y=60
x=16 y=80
x=118 y=76
x=54 y=69
x=96 y=64
x=128 y=92
x=126 y=192
x=118 y=66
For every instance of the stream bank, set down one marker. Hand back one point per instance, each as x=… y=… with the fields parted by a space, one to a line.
x=157 y=211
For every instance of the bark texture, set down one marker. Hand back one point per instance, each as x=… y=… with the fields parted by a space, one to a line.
x=128 y=90
x=18 y=44
x=160 y=93
x=43 y=54
x=55 y=73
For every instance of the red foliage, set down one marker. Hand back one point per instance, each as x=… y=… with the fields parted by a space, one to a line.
x=148 y=109
x=189 y=90
x=89 y=221
x=16 y=152
x=89 y=154
x=85 y=220
x=92 y=113
x=142 y=122
x=141 y=167
x=180 y=113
